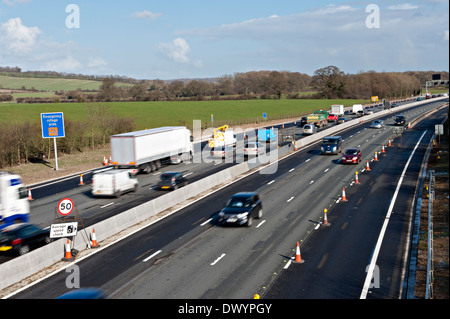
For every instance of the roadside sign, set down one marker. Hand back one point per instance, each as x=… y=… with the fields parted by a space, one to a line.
x=63 y=230
x=52 y=125
x=65 y=206
x=439 y=129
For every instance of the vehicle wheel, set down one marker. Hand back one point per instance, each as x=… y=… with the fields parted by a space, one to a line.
x=260 y=213
x=47 y=240
x=23 y=250
x=175 y=187
x=249 y=221
x=146 y=169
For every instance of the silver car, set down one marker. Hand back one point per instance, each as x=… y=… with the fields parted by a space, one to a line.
x=309 y=129
x=377 y=124
x=253 y=149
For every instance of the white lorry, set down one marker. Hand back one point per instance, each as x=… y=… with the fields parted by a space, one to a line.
x=356 y=108
x=337 y=109
x=222 y=136
x=14 y=204
x=114 y=182
x=146 y=150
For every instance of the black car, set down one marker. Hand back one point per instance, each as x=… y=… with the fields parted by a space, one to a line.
x=303 y=121
x=400 y=120
x=241 y=208
x=23 y=237
x=171 y=180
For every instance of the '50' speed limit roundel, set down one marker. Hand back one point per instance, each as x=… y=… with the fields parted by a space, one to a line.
x=65 y=206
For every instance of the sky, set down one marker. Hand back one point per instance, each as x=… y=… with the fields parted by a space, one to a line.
x=177 y=39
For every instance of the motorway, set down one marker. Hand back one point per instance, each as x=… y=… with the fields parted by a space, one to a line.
x=188 y=256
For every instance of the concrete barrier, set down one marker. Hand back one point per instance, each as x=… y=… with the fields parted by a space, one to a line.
x=35 y=261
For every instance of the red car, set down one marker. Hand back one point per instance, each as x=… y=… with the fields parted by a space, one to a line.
x=332 y=118
x=352 y=156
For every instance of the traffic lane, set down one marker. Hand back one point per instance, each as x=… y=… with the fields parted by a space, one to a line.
x=347 y=236
x=336 y=256
x=165 y=232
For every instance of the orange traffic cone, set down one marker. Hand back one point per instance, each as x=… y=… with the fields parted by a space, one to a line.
x=105 y=161
x=376 y=157
x=94 y=240
x=68 y=256
x=389 y=142
x=356 y=178
x=29 y=194
x=325 y=219
x=382 y=149
x=298 y=257
x=81 y=180
x=367 y=166
x=344 y=199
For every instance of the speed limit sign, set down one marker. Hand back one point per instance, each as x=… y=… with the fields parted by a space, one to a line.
x=65 y=206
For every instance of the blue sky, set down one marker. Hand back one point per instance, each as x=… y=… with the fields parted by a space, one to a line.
x=209 y=38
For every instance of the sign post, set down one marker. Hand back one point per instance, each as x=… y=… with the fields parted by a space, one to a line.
x=52 y=127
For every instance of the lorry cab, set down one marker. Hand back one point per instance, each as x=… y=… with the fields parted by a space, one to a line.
x=14 y=204
x=114 y=182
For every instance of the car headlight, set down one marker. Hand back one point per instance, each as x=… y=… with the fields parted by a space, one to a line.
x=221 y=214
x=355 y=158
x=243 y=215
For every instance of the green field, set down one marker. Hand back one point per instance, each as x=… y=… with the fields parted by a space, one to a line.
x=156 y=114
x=49 y=84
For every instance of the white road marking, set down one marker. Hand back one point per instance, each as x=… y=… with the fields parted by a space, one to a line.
x=262 y=222
x=106 y=205
x=270 y=182
x=290 y=199
x=204 y=223
x=215 y=261
x=151 y=256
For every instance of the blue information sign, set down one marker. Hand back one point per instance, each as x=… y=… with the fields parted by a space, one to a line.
x=52 y=125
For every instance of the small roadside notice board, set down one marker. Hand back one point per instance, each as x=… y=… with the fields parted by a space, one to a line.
x=63 y=230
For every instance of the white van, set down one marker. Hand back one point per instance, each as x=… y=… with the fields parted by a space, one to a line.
x=114 y=182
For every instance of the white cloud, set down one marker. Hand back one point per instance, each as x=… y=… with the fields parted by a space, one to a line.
x=16 y=38
x=176 y=50
x=403 y=6
x=12 y=2
x=146 y=15
x=96 y=62
x=66 y=64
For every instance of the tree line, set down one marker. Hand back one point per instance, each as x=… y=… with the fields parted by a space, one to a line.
x=326 y=83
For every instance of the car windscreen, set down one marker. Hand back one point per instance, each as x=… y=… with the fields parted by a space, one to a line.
x=238 y=202
x=330 y=141
x=351 y=152
x=166 y=177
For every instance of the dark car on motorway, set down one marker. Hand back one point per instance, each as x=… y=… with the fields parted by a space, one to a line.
x=352 y=156
x=171 y=180
x=241 y=208
x=303 y=121
x=22 y=238
x=331 y=145
x=400 y=120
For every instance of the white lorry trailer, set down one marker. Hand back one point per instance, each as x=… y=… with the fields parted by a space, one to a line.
x=146 y=150
x=356 y=108
x=337 y=109
x=14 y=204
